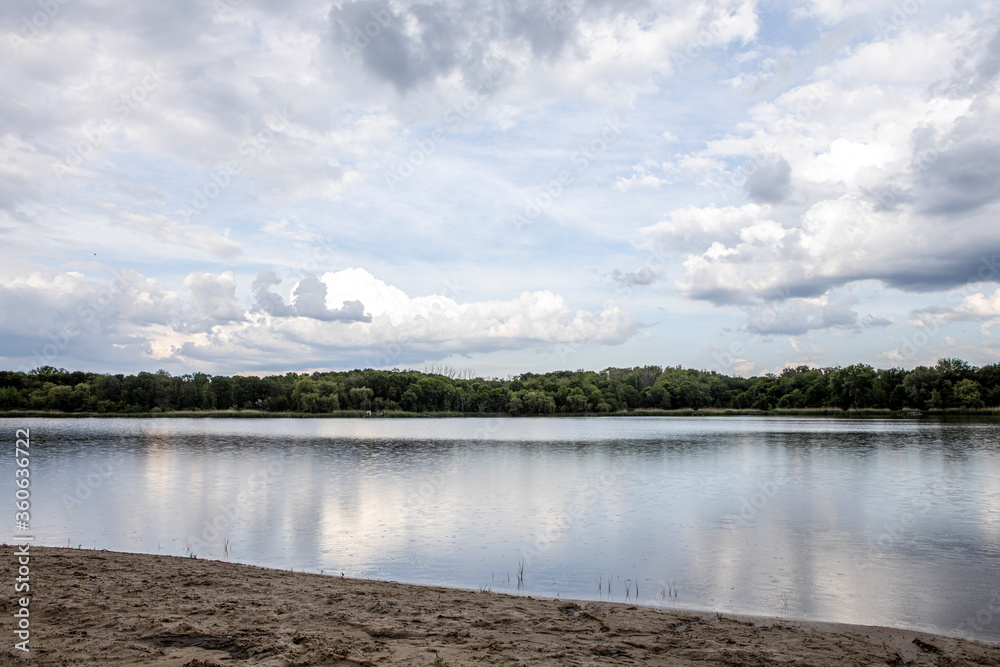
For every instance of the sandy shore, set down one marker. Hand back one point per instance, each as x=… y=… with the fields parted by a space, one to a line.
x=106 y=608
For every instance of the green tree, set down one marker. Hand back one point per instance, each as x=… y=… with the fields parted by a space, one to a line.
x=793 y=399
x=689 y=395
x=538 y=403
x=853 y=387
x=361 y=398
x=314 y=397
x=11 y=398
x=936 y=401
x=59 y=397
x=968 y=394
x=920 y=384
x=577 y=402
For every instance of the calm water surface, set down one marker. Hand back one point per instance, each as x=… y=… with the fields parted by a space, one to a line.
x=883 y=522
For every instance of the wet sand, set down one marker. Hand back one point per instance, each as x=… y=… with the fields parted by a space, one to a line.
x=107 y=608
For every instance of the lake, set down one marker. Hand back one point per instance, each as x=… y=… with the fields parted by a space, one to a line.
x=874 y=521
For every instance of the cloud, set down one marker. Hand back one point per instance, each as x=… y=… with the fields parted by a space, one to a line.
x=834 y=243
x=798 y=316
x=770 y=182
x=644 y=276
x=543 y=49
x=420 y=44
x=834 y=11
x=897 y=177
x=293 y=231
x=642 y=177
x=960 y=171
x=267 y=301
x=406 y=46
x=406 y=330
x=256 y=103
x=213 y=300
x=692 y=228
x=980 y=306
x=133 y=321
x=848 y=141
x=49 y=318
x=976 y=306
x=310 y=301
x=979 y=67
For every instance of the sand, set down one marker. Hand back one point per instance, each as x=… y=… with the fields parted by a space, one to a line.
x=107 y=608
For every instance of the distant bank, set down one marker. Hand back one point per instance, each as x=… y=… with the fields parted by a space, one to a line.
x=949 y=386
x=354 y=414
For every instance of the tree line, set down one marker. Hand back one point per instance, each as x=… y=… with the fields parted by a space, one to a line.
x=951 y=383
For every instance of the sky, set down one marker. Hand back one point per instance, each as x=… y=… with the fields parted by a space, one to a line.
x=255 y=186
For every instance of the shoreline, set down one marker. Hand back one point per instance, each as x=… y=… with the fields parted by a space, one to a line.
x=104 y=607
x=355 y=414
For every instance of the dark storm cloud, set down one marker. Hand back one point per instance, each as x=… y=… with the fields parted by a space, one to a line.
x=426 y=41
x=951 y=268
x=770 y=183
x=959 y=171
x=962 y=178
x=989 y=66
x=371 y=31
x=938 y=267
x=745 y=295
